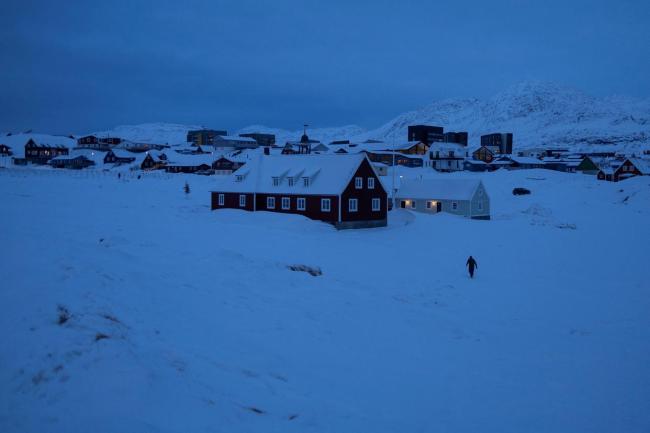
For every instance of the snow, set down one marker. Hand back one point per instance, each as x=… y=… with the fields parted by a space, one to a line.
x=206 y=324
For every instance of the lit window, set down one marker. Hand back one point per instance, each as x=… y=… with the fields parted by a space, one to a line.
x=242 y=200
x=286 y=203
x=270 y=202
x=358 y=182
x=353 y=205
x=371 y=183
x=301 y=203
x=222 y=199
x=325 y=205
x=376 y=204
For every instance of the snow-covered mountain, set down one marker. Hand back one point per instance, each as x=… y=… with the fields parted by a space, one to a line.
x=539 y=114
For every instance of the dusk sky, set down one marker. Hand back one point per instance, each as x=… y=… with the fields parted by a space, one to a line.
x=79 y=66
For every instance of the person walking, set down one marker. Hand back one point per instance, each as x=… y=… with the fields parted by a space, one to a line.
x=471 y=265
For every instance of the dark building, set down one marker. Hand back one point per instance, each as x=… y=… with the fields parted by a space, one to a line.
x=456 y=137
x=262 y=139
x=117 y=157
x=204 y=136
x=426 y=133
x=72 y=162
x=387 y=157
x=5 y=150
x=501 y=140
x=41 y=153
x=343 y=190
x=225 y=166
x=98 y=143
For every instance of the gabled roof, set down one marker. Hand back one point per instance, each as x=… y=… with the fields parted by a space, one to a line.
x=440 y=189
x=328 y=174
x=189 y=160
x=643 y=165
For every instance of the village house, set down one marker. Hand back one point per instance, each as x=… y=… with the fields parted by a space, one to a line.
x=387 y=157
x=464 y=197
x=234 y=141
x=447 y=157
x=115 y=156
x=98 y=143
x=75 y=162
x=502 y=141
x=629 y=168
x=189 y=163
x=153 y=161
x=343 y=190
x=261 y=139
x=40 y=153
x=5 y=150
x=225 y=166
x=409 y=148
x=485 y=154
x=203 y=137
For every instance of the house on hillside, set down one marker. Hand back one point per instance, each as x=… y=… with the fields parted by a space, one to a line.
x=153 y=161
x=343 y=190
x=115 y=156
x=447 y=157
x=484 y=153
x=589 y=165
x=41 y=153
x=464 y=197
x=629 y=168
x=410 y=147
x=98 y=143
x=75 y=162
x=192 y=163
x=224 y=165
x=5 y=150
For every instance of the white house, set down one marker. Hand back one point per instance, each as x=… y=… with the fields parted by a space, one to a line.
x=464 y=197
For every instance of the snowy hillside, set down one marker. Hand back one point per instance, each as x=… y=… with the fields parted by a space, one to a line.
x=539 y=114
x=158 y=133
x=129 y=306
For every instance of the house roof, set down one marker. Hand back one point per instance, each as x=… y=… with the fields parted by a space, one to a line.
x=440 y=189
x=237 y=138
x=190 y=160
x=643 y=165
x=328 y=174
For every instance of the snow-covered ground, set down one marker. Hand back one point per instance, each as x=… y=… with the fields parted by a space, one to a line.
x=187 y=320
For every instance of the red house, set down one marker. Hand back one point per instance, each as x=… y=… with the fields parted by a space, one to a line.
x=629 y=168
x=343 y=190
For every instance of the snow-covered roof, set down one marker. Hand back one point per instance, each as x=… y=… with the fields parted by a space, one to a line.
x=328 y=174
x=237 y=138
x=526 y=160
x=643 y=165
x=439 y=189
x=190 y=160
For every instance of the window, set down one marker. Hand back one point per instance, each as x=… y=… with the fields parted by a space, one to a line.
x=454 y=205
x=276 y=181
x=413 y=204
x=291 y=181
x=358 y=182
x=286 y=203
x=429 y=204
x=325 y=205
x=270 y=202
x=480 y=205
x=301 y=203
x=242 y=200
x=371 y=183
x=376 y=204
x=353 y=205
x=305 y=181
x=239 y=178
x=448 y=163
x=222 y=199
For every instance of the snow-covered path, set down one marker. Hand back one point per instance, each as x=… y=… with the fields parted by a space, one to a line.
x=183 y=319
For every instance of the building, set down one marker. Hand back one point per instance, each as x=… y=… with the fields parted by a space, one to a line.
x=589 y=165
x=153 y=161
x=115 y=156
x=464 y=197
x=260 y=138
x=224 y=165
x=484 y=153
x=447 y=157
x=426 y=133
x=408 y=148
x=189 y=163
x=629 y=168
x=204 y=137
x=5 y=150
x=343 y=190
x=501 y=140
x=98 y=143
x=526 y=162
x=388 y=158
x=40 y=153
x=235 y=141
x=76 y=162
x=456 y=137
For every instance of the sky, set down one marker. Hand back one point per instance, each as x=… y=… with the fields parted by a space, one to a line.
x=80 y=66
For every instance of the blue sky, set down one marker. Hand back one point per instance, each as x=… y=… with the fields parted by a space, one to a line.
x=78 y=66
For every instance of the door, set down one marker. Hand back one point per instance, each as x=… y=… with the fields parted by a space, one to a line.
x=438 y=206
x=402 y=204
